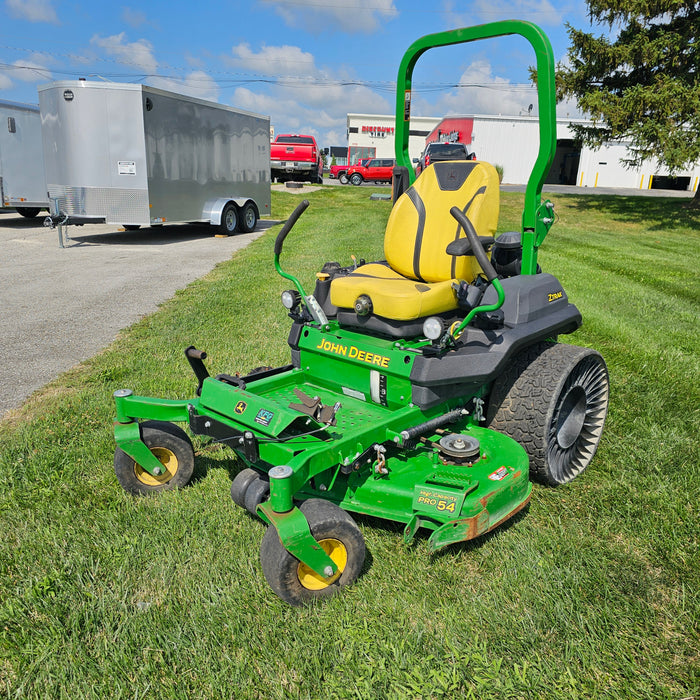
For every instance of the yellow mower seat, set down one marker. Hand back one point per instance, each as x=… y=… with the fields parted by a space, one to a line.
x=395 y=296
x=417 y=278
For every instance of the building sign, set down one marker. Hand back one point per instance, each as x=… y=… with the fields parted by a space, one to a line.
x=448 y=136
x=453 y=130
x=378 y=132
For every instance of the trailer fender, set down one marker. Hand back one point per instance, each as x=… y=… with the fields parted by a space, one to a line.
x=214 y=208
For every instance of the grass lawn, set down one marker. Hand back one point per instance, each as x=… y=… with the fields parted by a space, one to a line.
x=591 y=593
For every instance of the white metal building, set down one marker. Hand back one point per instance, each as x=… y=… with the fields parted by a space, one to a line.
x=512 y=142
x=372 y=135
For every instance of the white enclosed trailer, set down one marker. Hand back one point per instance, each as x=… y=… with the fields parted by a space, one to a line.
x=135 y=155
x=22 y=182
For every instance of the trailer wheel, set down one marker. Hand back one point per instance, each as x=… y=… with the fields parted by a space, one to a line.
x=336 y=533
x=249 y=218
x=173 y=448
x=27 y=212
x=356 y=179
x=553 y=400
x=229 y=219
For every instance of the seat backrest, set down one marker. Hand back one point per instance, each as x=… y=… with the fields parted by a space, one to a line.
x=420 y=225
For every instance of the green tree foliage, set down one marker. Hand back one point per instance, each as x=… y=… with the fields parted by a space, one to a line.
x=641 y=83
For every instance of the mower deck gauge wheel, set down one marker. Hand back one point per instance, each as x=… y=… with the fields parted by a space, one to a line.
x=173 y=448
x=240 y=485
x=257 y=492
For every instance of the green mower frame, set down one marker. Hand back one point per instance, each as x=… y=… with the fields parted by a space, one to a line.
x=438 y=431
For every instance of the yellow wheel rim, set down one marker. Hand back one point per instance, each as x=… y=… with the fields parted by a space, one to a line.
x=308 y=578
x=168 y=459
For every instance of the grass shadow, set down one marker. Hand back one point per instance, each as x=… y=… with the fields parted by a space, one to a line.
x=655 y=213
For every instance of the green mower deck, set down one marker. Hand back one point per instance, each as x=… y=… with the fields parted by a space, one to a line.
x=383 y=470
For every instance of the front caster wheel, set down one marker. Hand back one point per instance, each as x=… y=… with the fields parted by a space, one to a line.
x=553 y=400
x=173 y=448
x=338 y=535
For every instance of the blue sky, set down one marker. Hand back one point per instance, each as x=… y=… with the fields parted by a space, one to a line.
x=305 y=63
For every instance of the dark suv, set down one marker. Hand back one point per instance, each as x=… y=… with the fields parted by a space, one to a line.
x=442 y=151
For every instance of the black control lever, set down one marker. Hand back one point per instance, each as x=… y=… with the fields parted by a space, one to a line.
x=195 y=357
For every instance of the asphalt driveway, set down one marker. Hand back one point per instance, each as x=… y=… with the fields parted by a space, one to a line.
x=60 y=306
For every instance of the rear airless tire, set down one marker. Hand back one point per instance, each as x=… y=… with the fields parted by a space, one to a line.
x=337 y=534
x=553 y=400
x=173 y=448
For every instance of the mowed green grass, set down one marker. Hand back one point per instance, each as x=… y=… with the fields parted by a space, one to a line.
x=591 y=593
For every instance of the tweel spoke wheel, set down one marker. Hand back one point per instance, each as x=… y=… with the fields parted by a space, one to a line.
x=338 y=535
x=553 y=399
x=173 y=449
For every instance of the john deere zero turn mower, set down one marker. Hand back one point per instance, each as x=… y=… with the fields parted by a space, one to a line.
x=426 y=388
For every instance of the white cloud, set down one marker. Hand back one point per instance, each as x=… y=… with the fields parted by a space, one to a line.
x=273 y=60
x=5 y=82
x=316 y=15
x=302 y=96
x=137 y=53
x=537 y=11
x=134 y=18
x=32 y=10
x=194 y=61
x=484 y=93
x=197 y=84
x=31 y=72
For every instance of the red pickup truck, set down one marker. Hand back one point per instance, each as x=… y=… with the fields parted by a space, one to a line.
x=376 y=170
x=296 y=157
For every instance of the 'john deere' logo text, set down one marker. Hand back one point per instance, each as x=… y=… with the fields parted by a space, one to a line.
x=353 y=353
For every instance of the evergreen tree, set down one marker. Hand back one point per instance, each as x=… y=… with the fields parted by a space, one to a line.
x=641 y=84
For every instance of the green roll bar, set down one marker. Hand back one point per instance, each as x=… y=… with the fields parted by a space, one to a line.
x=537 y=215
